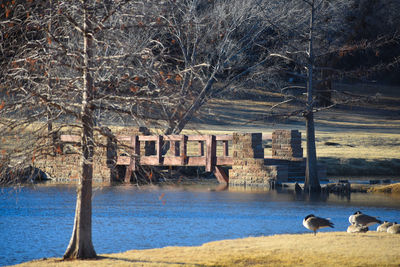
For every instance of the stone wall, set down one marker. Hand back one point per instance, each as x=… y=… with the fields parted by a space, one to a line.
x=65 y=165
x=287 y=150
x=248 y=162
x=286 y=144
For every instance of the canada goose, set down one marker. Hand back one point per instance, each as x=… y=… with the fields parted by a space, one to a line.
x=384 y=226
x=314 y=223
x=357 y=229
x=351 y=218
x=394 y=229
x=362 y=219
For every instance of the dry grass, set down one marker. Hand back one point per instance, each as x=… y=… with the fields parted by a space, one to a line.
x=324 y=249
x=369 y=146
x=359 y=154
x=393 y=188
x=366 y=136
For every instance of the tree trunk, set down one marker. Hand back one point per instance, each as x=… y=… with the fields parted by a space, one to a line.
x=311 y=183
x=81 y=246
x=52 y=137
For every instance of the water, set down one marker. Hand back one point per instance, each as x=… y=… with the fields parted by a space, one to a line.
x=37 y=222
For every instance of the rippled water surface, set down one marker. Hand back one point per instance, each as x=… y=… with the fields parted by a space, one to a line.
x=36 y=222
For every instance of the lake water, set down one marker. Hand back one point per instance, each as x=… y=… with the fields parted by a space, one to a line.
x=37 y=222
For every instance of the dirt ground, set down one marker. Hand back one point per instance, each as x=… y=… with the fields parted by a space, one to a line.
x=323 y=249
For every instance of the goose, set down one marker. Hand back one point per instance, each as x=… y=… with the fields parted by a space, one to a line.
x=351 y=218
x=314 y=223
x=357 y=229
x=384 y=226
x=362 y=219
x=394 y=229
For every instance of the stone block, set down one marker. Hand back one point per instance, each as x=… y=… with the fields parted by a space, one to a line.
x=278 y=172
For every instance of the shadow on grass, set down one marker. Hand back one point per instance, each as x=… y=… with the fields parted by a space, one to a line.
x=116 y=259
x=361 y=167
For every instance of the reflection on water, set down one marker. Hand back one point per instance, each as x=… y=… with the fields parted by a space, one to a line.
x=37 y=222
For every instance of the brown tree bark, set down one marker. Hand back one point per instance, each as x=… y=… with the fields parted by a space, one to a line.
x=311 y=183
x=81 y=246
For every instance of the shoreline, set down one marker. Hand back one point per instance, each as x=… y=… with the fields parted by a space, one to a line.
x=324 y=249
x=332 y=186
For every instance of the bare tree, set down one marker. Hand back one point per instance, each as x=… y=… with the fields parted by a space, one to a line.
x=303 y=32
x=206 y=52
x=82 y=65
x=77 y=68
x=309 y=38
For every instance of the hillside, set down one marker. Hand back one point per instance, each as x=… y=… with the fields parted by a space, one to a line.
x=380 y=114
x=359 y=139
x=324 y=249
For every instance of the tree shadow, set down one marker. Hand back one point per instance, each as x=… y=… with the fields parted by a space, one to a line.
x=144 y=261
x=360 y=167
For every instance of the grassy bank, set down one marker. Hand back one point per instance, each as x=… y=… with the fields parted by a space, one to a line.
x=359 y=154
x=346 y=153
x=393 y=188
x=324 y=249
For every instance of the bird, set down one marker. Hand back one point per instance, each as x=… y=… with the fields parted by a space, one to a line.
x=362 y=219
x=357 y=229
x=384 y=226
x=314 y=223
x=351 y=218
x=394 y=229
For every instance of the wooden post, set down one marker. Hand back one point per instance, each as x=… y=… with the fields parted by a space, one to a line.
x=135 y=152
x=221 y=175
x=183 y=149
x=112 y=149
x=159 y=144
x=225 y=148
x=201 y=148
x=211 y=153
x=175 y=148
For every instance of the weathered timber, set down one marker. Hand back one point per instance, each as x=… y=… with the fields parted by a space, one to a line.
x=159 y=145
x=70 y=138
x=221 y=175
x=135 y=151
x=211 y=153
x=183 y=149
x=201 y=148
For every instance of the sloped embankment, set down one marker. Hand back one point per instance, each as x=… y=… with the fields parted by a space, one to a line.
x=324 y=249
